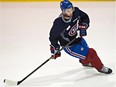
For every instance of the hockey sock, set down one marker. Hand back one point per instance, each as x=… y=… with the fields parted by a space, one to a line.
x=93 y=58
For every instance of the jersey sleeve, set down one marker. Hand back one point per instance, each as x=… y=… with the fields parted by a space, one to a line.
x=54 y=35
x=84 y=18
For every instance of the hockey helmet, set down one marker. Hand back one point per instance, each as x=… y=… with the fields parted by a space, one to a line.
x=65 y=4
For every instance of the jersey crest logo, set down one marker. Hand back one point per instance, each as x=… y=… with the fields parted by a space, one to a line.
x=73 y=30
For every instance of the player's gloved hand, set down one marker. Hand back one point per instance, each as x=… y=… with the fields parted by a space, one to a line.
x=54 y=52
x=83 y=29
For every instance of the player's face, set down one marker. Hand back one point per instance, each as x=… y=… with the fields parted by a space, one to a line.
x=68 y=13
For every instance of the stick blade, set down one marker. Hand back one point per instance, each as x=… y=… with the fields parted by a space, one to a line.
x=10 y=82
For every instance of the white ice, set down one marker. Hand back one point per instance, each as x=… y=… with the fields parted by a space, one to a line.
x=24 y=45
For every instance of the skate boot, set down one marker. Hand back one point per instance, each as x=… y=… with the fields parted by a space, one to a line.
x=106 y=70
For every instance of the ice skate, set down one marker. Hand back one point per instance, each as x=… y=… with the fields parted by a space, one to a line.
x=106 y=70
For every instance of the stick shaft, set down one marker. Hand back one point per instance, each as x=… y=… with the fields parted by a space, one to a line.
x=43 y=63
x=19 y=82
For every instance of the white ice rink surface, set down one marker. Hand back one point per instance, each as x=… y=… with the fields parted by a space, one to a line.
x=24 y=45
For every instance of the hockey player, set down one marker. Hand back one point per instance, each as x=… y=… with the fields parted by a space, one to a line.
x=65 y=29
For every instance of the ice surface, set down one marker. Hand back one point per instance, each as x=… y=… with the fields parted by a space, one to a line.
x=24 y=32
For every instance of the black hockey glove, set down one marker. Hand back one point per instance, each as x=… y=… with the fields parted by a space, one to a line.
x=54 y=52
x=83 y=29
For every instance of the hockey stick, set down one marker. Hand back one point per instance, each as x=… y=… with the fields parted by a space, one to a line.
x=10 y=82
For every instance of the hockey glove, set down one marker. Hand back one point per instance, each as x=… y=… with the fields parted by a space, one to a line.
x=54 y=52
x=83 y=29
